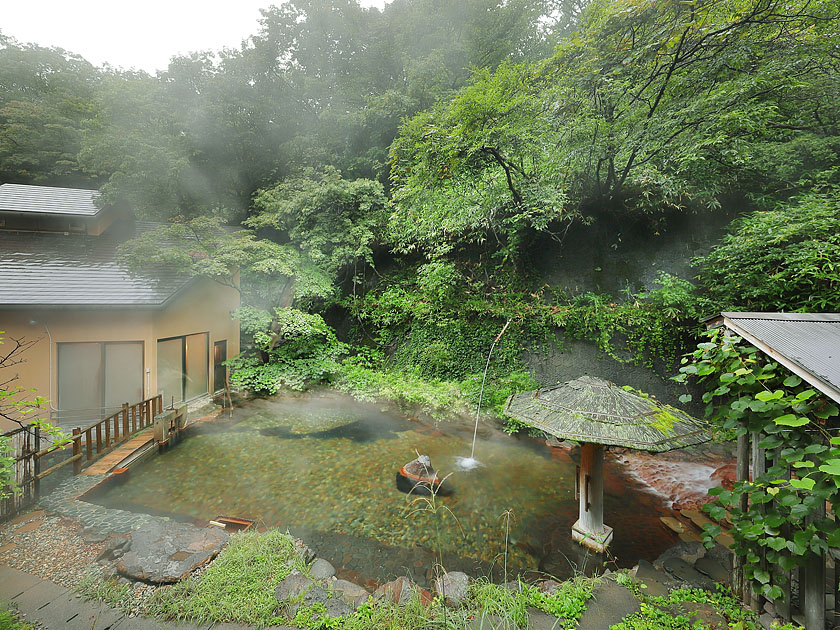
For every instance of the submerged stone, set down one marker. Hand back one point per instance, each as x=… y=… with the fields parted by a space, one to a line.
x=165 y=552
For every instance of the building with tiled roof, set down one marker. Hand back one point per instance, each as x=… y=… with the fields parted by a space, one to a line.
x=106 y=335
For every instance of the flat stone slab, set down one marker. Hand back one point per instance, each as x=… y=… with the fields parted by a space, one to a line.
x=42 y=593
x=13 y=582
x=658 y=584
x=682 y=570
x=538 y=620
x=70 y=612
x=609 y=604
x=713 y=569
x=165 y=552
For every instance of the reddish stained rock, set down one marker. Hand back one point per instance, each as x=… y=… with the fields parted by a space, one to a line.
x=426 y=597
x=725 y=476
x=399 y=591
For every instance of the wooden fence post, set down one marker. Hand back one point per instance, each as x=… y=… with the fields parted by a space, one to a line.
x=77 y=450
x=742 y=473
x=759 y=467
x=36 y=465
x=783 y=606
x=125 y=421
x=812 y=580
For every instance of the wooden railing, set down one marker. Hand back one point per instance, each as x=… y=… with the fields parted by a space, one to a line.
x=90 y=442
x=87 y=444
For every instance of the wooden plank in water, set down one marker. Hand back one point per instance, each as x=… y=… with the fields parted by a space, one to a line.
x=112 y=459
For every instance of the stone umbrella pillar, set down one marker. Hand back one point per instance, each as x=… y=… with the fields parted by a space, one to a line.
x=596 y=413
x=589 y=530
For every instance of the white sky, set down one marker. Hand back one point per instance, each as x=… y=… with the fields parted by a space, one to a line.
x=141 y=34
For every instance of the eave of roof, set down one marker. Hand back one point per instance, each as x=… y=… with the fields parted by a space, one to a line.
x=808 y=344
x=48 y=200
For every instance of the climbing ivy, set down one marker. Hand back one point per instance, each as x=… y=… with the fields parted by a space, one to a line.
x=746 y=392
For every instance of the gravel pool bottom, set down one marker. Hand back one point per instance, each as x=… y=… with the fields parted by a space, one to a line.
x=324 y=466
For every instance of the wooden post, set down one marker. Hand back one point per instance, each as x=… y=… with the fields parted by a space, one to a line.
x=108 y=433
x=77 y=450
x=88 y=446
x=812 y=580
x=98 y=438
x=783 y=605
x=36 y=465
x=116 y=428
x=742 y=473
x=589 y=529
x=125 y=421
x=759 y=467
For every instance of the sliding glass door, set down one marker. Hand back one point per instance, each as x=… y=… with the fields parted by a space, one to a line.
x=95 y=379
x=183 y=365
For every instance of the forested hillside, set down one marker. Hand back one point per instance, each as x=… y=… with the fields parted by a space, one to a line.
x=399 y=177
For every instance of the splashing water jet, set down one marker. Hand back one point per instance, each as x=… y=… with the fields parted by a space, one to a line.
x=469 y=463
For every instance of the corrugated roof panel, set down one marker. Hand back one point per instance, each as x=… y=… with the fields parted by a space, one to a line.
x=48 y=200
x=44 y=269
x=809 y=340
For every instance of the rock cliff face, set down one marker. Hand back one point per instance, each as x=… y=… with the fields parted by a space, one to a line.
x=612 y=258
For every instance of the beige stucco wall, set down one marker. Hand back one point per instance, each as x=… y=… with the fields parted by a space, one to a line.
x=203 y=307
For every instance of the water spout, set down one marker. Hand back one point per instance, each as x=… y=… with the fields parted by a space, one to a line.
x=468 y=463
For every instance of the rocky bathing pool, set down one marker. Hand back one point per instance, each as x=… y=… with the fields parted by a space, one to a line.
x=323 y=466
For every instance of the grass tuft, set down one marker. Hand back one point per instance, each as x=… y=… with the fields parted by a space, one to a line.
x=238 y=586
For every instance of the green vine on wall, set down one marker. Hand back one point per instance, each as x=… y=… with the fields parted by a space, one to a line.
x=797 y=426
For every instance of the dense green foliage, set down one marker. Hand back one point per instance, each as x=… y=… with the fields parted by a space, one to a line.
x=783 y=259
x=784 y=520
x=383 y=177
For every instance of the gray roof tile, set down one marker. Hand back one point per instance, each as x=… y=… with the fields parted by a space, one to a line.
x=54 y=270
x=48 y=200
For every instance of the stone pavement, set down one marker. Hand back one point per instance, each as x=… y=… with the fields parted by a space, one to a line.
x=59 y=608
x=65 y=501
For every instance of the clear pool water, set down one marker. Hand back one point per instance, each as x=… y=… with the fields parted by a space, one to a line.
x=323 y=467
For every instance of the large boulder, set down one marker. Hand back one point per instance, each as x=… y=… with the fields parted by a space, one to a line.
x=167 y=551
x=453 y=586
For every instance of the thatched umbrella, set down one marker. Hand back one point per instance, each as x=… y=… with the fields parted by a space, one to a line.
x=596 y=412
